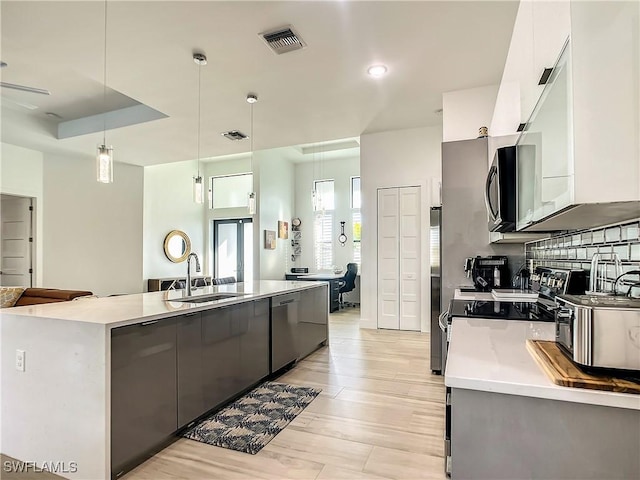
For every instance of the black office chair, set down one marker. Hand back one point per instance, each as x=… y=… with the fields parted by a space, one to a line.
x=348 y=282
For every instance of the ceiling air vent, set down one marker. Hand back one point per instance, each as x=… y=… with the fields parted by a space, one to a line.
x=234 y=135
x=283 y=40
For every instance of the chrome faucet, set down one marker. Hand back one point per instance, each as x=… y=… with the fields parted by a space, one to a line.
x=189 y=270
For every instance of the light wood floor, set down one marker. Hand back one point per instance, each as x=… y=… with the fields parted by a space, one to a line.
x=380 y=416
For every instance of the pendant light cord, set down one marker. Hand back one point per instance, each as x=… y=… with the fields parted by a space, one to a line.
x=104 y=83
x=199 y=109
x=251 y=140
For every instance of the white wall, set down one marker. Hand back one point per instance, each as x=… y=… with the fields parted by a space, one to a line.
x=465 y=111
x=340 y=171
x=275 y=177
x=92 y=231
x=21 y=174
x=169 y=205
x=390 y=159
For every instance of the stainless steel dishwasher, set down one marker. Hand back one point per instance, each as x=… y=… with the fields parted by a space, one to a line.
x=284 y=329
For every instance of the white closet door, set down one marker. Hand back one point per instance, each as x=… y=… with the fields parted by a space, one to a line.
x=388 y=259
x=410 y=258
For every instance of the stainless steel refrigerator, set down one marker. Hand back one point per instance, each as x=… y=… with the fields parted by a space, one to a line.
x=434 y=248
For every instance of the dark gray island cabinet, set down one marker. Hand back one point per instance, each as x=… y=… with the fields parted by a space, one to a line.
x=167 y=373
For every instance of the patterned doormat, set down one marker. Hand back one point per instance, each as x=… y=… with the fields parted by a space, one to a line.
x=250 y=422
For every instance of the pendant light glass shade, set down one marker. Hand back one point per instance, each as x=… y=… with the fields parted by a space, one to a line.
x=198 y=190
x=252 y=203
x=104 y=164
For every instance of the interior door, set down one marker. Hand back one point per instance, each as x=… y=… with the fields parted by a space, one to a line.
x=233 y=248
x=17 y=240
x=388 y=259
x=410 y=258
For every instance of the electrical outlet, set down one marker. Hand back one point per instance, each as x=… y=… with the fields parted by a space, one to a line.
x=20 y=358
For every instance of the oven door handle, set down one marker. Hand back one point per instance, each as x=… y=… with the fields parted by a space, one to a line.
x=487 y=199
x=442 y=320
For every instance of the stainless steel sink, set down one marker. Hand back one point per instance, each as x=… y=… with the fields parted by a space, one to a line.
x=206 y=298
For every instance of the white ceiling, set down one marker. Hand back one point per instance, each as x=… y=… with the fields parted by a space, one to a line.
x=306 y=96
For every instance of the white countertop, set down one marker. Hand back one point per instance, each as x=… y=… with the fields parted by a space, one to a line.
x=128 y=309
x=491 y=356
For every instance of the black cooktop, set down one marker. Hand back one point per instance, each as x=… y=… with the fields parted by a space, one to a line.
x=531 y=311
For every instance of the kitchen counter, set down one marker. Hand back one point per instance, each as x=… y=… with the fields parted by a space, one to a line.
x=491 y=356
x=123 y=310
x=85 y=381
x=500 y=401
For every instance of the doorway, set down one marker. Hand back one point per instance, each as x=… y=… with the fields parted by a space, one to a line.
x=16 y=236
x=233 y=248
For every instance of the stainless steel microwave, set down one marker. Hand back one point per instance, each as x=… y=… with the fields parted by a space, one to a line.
x=500 y=191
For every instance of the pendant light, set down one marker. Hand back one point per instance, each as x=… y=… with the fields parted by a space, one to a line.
x=198 y=187
x=104 y=157
x=252 y=98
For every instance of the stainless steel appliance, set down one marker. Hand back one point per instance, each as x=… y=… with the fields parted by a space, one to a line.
x=599 y=331
x=436 y=333
x=490 y=272
x=500 y=191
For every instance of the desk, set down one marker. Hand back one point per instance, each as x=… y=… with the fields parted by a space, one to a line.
x=334 y=285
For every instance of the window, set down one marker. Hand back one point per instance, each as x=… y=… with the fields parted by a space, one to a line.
x=323 y=225
x=355 y=193
x=230 y=191
x=323 y=240
x=324 y=195
x=356 y=219
x=357 y=227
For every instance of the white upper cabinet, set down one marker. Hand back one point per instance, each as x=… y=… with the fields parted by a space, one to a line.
x=539 y=32
x=580 y=162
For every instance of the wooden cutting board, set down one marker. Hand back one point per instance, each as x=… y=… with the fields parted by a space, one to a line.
x=563 y=371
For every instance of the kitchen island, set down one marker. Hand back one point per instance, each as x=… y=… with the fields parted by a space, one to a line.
x=109 y=381
x=508 y=420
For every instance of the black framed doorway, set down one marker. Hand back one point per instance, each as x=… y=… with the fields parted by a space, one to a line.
x=233 y=248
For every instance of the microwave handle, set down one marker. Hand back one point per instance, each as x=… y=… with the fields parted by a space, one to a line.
x=487 y=201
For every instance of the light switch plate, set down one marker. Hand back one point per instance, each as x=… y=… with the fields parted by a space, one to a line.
x=20 y=358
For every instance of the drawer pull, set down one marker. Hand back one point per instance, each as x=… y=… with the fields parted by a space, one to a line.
x=150 y=322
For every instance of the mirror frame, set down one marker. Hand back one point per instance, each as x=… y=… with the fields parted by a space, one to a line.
x=187 y=242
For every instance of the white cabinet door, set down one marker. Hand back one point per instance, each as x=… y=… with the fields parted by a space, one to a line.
x=388 y=259
x=399 y=258
x=410 y=258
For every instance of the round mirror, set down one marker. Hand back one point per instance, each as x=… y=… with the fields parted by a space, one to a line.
x=177 y=246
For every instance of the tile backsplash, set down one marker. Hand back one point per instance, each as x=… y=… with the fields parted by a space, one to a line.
x=576 y=250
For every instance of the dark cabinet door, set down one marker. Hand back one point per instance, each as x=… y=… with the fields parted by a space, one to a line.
x=312 y=320
x=191 y=401
x=220 y=355
x=143 y=389
x=254 y=342
x=284 y=330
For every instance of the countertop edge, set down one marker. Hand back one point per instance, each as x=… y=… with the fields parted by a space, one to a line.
x=56 y=311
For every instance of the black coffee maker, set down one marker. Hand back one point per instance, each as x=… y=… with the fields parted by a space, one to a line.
x=490 y=272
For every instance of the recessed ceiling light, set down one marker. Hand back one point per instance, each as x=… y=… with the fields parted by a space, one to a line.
x=377 y=71
x=52 y=115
